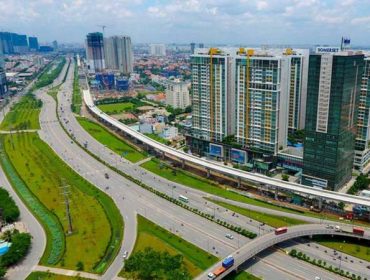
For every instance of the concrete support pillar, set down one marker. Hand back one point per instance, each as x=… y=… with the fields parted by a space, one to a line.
x=208 y=172
x=276 y=193
x=239 y=182
x=182 y=163
x=320 y=203
x=162 y=155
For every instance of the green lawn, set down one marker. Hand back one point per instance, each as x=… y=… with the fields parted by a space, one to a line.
x=151 y=235
x=158 y=138
x=23 y=115
x=351 y=246
x=268 y=219
x=97 y=223
x=116 y=108
x=38 y=275
x=110 y=140
x=196 y=182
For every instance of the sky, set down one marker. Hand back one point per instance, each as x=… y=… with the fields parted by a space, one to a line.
x=290 y=22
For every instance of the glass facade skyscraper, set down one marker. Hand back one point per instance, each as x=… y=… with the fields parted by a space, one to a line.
x=333 y=92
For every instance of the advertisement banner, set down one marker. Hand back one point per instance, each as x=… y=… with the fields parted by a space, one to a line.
x=238 y=156
x=215 y=150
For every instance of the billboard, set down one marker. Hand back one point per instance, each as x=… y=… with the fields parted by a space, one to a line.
x=215 y=150
x=327 y=49
x=238 y=156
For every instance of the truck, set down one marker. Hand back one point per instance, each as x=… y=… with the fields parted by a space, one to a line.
x=228 y=262
x=358 y=231
x=281 y=230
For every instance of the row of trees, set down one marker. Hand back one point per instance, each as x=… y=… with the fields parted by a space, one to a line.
x=150 y=264
x=9 y=211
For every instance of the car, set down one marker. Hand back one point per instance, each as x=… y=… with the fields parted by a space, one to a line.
x=317 y=278
x=125 y=254
x=211 y=276
x=368 y=267
x=230 y=236
x=106 y=176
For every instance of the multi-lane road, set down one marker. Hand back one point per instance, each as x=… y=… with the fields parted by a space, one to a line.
x=265 y=241
x=208 y=242
x=132 y=199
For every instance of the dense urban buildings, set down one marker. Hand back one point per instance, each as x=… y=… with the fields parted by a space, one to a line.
x=333 y=92
x=177 y=94
x=157 y=49
x=95 y=52
x=3 y=83
x=118 y=54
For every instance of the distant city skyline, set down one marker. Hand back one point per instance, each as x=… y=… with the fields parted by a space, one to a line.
x=174 y=21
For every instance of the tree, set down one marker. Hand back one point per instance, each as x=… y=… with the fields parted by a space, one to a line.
x=20 y=245
x=2 y=271
x=80 y=266
x=285 y=177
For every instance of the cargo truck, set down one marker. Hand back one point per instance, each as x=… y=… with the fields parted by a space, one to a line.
x=358 y=231
x=226 y=264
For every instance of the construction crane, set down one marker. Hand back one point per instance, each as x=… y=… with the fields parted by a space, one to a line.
x=103 y=27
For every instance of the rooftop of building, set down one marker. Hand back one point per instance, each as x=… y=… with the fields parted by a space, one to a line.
x=293 y=151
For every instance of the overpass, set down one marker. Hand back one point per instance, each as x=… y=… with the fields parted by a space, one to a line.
x=263 y=242
x=220 y=168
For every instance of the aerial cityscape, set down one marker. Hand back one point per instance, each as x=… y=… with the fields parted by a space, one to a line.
x=185 y=139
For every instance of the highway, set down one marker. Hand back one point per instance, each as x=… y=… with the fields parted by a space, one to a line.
x=220 y=168
x=260 y=244
x=195 y=197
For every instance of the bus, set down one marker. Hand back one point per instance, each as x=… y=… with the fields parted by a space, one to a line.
x=183 y=198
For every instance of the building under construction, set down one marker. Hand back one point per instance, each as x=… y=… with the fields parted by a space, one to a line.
x=95 y=52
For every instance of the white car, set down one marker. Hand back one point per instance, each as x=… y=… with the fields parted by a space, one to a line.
x=211 y=276
x=125 y=254
x=230 y=236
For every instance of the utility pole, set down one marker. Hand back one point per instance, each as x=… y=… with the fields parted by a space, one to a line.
x=65 y=193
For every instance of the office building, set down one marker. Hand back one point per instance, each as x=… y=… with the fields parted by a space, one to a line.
x=118 y=54
x=201 y=45
x=362 y=149
x=177 y=94
x=95 y=52
x=333 y=95
x=55 y=45
x=33 y=44
x=6 y=42
x=20 y=43
x=192 y=48
x=157 y=50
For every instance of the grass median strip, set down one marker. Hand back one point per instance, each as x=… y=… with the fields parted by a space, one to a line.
x=151 y=235
x=23 y=115
x=351 y=246
x=76 y=96
x=38 y=275
x=107 y=138
x=271 y=220
x=97 y=223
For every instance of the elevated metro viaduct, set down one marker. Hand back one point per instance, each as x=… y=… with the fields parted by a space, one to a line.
x=220 y=168
x=263 y=242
